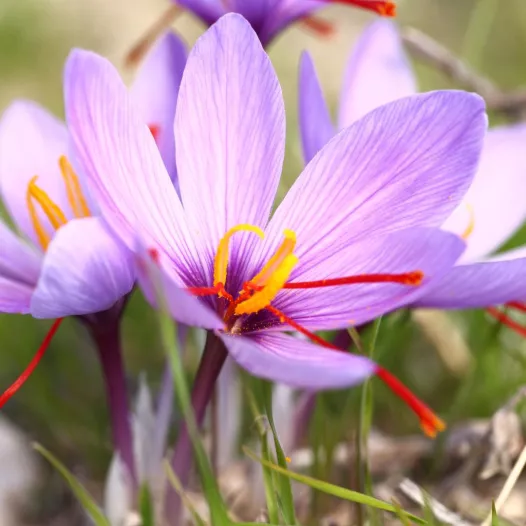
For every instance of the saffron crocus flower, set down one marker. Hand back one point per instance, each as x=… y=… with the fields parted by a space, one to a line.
x=413 y=160
x=378 y=72
x=270 y=17
x=65 y=261
x=267 y=17
x=150 y=433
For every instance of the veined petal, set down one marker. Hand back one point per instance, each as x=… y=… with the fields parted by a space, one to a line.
x=15 y=297
x=431 y=251
x=122 y=163
x=316 y=127
x=155 y=90
x=378 y=72
x=18 y=261
x=405 y=164
x=477 y=285
x=31 y=143
x=494 y=207
x=230 y=133
x=183 y=307
x=85 y=270
x=283 y=358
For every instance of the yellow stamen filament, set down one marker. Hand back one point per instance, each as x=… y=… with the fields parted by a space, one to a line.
x=273 y=264
x=270 y=290
x=471 y=224
x=221 y=259
x=73 y=189
x=49 y=207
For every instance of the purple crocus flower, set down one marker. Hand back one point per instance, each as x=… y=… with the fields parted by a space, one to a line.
x=378 y=72
x=267 y=17
x=63 y=260
x=270 y=17
x=365 y=204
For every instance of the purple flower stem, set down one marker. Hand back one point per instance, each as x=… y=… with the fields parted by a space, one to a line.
x=212 y=361
x=105 y=332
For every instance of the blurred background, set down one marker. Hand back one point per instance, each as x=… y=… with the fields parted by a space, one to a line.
x=462 y=364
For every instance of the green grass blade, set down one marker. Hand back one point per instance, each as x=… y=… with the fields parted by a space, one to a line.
x=494 y=517
x=218 y=513
x=283 y=483
x=331 y=489
x=146 y=506
x=85 y=499
x=176 y=484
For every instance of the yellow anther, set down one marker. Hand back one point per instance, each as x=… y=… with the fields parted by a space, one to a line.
x=286 y=248
x=49 y=207
x=471 y=224
x=273 y=285
x=73 y=189
x=221 y=259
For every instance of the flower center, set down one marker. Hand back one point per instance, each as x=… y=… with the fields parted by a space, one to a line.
x=259 y=292
x=55 y=215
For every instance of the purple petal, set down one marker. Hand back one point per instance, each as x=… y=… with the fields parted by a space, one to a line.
x=495 y=203
x=85 y=271
x=208 y=10
x=18 y=261
x=230 y=133
x=284 y=13
x=15 y=297
x=183 y=307
x=405 y=164
x=431 y=251
x=155 y=90
x=477 y=285
x=316 y=127
x=31 y=143
x=122 y=162
x=378 y=72
x=283 y=358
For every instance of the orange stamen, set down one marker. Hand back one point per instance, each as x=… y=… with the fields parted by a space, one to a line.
x=221 y=259
x=429 y=422
x=76 y=198
x=19 y=382
x=506 y=320
x=52 y=211
x=155 y=130
x=381 y=7
x=410 y=278
x=471 y=223
x=318 y=25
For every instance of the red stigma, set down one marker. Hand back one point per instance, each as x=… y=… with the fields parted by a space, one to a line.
x=21 y=380
x=382 y=8
x=506 y=320
x=409 y=278
x=430 y=423
x=318 y=25
x=155 y=130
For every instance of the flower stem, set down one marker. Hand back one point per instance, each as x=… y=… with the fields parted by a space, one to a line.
x=214 y=356
x=105 y=332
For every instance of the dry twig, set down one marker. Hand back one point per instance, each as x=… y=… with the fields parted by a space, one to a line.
x=428 y=50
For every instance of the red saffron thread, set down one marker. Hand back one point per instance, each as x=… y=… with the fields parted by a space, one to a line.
x=20 y=381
